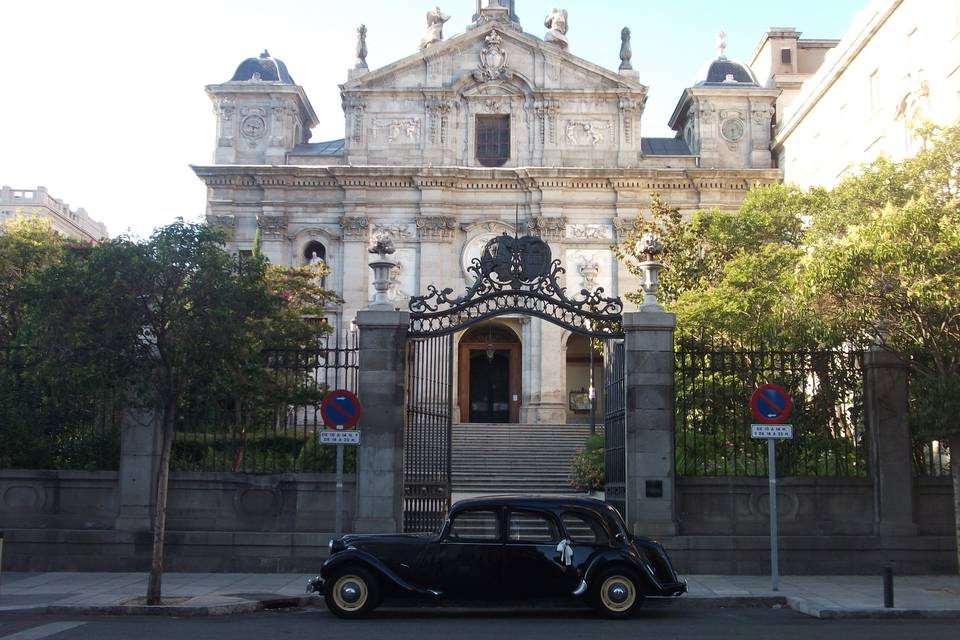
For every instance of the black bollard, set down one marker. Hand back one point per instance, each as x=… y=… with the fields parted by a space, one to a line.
x=888 y=586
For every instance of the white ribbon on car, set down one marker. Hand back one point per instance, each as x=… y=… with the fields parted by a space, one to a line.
x=566 y=552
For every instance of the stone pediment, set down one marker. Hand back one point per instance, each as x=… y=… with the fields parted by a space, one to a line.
x=491 y=55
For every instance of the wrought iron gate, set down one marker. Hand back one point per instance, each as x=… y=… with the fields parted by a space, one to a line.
x=615 y=425
x=429 y=383
x=513 y=275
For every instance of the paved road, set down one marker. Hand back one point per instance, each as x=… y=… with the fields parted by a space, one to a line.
x=427 y=624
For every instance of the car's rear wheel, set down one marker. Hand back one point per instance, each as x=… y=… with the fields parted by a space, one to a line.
x=353 y=592
x=615 y=594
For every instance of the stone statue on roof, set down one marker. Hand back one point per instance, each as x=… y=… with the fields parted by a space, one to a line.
x=556 y=24
x=434 y=34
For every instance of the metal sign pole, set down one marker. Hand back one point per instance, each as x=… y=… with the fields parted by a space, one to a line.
x=338 y=519
x=772 y=471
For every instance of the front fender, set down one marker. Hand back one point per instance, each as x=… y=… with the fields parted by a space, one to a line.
x=364 y=559
x=601 y=562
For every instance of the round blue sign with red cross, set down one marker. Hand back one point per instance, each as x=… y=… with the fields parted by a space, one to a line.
x=340 y=408
x=770 y=404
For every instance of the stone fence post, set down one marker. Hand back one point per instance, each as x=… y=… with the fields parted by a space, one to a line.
x=380 y=387
x=888 y=431
x=649 y=360
x=140 y=434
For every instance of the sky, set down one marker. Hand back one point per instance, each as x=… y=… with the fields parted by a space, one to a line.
x=103 y=101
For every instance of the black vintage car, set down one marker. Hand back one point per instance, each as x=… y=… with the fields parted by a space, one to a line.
x=503 y=548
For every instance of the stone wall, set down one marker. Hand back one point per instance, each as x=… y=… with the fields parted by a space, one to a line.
x=64 y=521
x=826 y=525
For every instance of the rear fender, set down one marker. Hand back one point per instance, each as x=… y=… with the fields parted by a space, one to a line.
x=649 y=583
x=363 y=559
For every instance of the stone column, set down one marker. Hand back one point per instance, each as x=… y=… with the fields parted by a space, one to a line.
x=383 y=337
x=649 y=361
x=889 y=438
x=140 y=435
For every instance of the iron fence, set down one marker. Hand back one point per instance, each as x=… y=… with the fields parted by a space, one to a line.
x=714 y=383
x=271 y=423
x=56 y=417
x=931 y=458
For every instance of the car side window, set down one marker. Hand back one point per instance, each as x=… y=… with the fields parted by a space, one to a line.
x=581 y=528
x=474 y=526
x=526 y=526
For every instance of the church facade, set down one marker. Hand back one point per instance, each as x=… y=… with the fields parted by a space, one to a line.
x=493 y=130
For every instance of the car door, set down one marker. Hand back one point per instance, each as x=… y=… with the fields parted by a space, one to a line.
x=587 y=535
x=465 y=562
x=532 y=566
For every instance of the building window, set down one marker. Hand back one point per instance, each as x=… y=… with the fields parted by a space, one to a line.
x=786 y=56
x=875 y=91
x=493 y=140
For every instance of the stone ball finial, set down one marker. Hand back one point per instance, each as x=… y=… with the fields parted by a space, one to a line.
x=625 y=51
x=265 y=54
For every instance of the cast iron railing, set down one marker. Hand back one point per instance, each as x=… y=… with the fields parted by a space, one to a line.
x=714 y=383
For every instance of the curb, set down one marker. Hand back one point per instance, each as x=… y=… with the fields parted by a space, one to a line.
x=243 y=606
x=825 y=612
x=805 y=606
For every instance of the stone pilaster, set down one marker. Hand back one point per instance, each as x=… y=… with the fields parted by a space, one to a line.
x=649 y=361
x=889 y=437
x=383 y=337
x=140 y=435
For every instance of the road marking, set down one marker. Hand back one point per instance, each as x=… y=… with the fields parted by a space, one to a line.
x=43 y=631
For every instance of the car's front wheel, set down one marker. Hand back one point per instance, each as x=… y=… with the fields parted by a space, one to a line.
x=614 y=594
x=352 y=593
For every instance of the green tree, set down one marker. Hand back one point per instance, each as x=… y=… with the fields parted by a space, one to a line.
x=875 y=260
x=163 y=314
x=27 y=246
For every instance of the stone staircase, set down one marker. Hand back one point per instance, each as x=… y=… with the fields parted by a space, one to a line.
x=490 y=459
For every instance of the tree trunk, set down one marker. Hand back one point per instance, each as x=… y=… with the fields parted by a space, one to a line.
x=160 y=515
x=955 y=474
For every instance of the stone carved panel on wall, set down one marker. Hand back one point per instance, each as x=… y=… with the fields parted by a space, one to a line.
x=354 y=108
x=397 y=129
x=227 y=108
x=438 y=118
x=589 y=269
x=436 y=227
x=395 y=232
x=547 y=228
x=706 y=111
x=622 y=227
x=493 y=60
x=223 y=221
x=272 y=226
x=546 y=112
x=253 y=125
x=589 y=231
x=354 y=226
x=587 y=132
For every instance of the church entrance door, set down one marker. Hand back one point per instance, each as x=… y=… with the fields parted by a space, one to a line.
x=489 y=375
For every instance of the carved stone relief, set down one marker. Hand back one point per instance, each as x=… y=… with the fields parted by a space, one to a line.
x=589 y=231
x=547 y=228
x=253 y=125
x=402 y=277
x=354 y=108
x=622 y=227
x=397 y=129
x=395 y=232
x=272 y=226
x=438 y=117
x=436 y=227
x=707 y=111
x=493 y=60
x=227 y=109
x=546 y=112
x=354 y=226
x=224 y=221
x=587 y=132
x=588 y=269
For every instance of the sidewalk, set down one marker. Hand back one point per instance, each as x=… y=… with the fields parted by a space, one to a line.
x=225 y=593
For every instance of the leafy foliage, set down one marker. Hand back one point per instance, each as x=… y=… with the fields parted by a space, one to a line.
x=587 y=466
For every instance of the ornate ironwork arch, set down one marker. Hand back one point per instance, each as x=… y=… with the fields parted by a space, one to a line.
x=516 y=275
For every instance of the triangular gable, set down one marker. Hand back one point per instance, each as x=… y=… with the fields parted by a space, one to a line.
x=523 y=51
